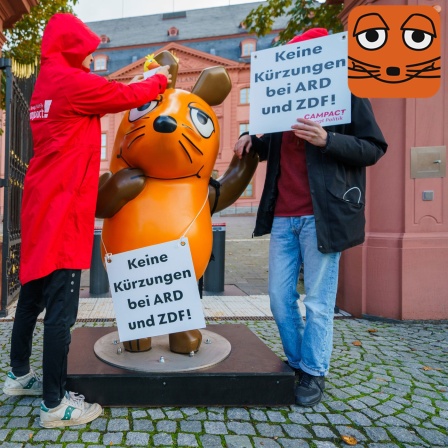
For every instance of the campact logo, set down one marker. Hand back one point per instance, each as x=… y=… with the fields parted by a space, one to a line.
x=40 y=110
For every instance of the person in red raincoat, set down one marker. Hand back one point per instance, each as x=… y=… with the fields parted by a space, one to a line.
x=58 y=208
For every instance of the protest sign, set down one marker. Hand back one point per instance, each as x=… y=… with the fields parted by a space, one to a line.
x=302 y=80
x=154 y=290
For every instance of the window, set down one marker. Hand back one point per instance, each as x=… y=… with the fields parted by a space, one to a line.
x=103 y=146
x=247 y=47
x=173 y=31
x=244 y=95
x=100 y=63
x=244 y=127
x=104 y=39
x=249 y=191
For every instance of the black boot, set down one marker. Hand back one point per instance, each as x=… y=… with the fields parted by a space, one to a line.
x=309 y=390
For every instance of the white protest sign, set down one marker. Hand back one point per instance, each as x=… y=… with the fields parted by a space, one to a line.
x=150 y=73
x=154 y=290
x=302 y=80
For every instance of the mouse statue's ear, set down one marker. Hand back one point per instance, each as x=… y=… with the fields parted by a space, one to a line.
x=167 y=58
x=213 y=85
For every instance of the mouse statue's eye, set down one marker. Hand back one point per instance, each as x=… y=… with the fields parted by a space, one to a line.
x=139 y=112
x=203 y=123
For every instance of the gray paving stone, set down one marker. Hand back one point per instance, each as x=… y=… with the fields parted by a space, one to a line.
x=163 y=440
x=288 y=443
x=276 y=417
x=213 y=416
x=336 y=419
x=14 y=445
x=296 y=417
x=20 y=435
x=189 y=411
x=174 y=415
x=238 y=414
x=19 y=422
x=358 y=419
x=188 y=426
x=69 y=445
x=323 y=432
x=112 y=438
x=47 y=435
x=297 y=431
x=405 y=436
x=90 y=437
x=6 y=410
x=166 y=426
x=433 y=437
x=21 y=411
x=137 y=439
x=70 y=436
x=316 y=418
x=118 y=424
x=392 y=421
x=265 y=443
x=259 y=415
x=338 y=406
x=416 y=413
x=201 y=416
x=442 y=422
x=377 y=434
x=385 y=409
x=241 y=428
x=143 y=425
x=268 y=430
x=139 y=414
x=119 y=412
x=209 y=441
x=156 y=414
x=408 y=419
x=238 y=442
x=320 y=444
x=215 y=428
x=100 y=424
x=188 y=440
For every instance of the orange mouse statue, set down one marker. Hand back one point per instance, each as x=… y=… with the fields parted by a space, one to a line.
x=158 y=184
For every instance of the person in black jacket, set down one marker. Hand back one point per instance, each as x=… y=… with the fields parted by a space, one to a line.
x=313 y=206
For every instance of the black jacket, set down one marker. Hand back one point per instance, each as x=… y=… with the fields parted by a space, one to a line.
x=337 y=178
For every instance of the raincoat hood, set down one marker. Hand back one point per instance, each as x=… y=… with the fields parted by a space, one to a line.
x=66 y=38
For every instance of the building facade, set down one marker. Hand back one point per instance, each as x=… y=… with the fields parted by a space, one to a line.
x=199 y=39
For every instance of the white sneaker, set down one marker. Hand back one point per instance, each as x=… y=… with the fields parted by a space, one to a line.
x=29 y=384
x=73 y=410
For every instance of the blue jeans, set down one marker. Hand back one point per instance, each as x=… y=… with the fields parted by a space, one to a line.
x=308 y=344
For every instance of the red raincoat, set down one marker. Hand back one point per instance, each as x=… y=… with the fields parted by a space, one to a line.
x=59 y=199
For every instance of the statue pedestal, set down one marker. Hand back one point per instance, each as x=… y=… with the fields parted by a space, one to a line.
x=251 y=374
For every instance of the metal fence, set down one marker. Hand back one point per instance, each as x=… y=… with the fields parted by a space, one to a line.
x=17 y=154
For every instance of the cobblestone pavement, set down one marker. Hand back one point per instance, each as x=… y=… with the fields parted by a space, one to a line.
x=387 y=387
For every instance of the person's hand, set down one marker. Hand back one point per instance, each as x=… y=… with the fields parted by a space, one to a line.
x=310 y=131
x=243 y=145
x=136 y=78
x=165 y=70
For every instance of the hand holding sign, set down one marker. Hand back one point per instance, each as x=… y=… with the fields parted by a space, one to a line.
x=310 y=131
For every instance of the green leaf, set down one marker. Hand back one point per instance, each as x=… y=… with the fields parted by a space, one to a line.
x=302 y=15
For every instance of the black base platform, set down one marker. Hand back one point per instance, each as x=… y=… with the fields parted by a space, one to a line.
x=252 y=375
